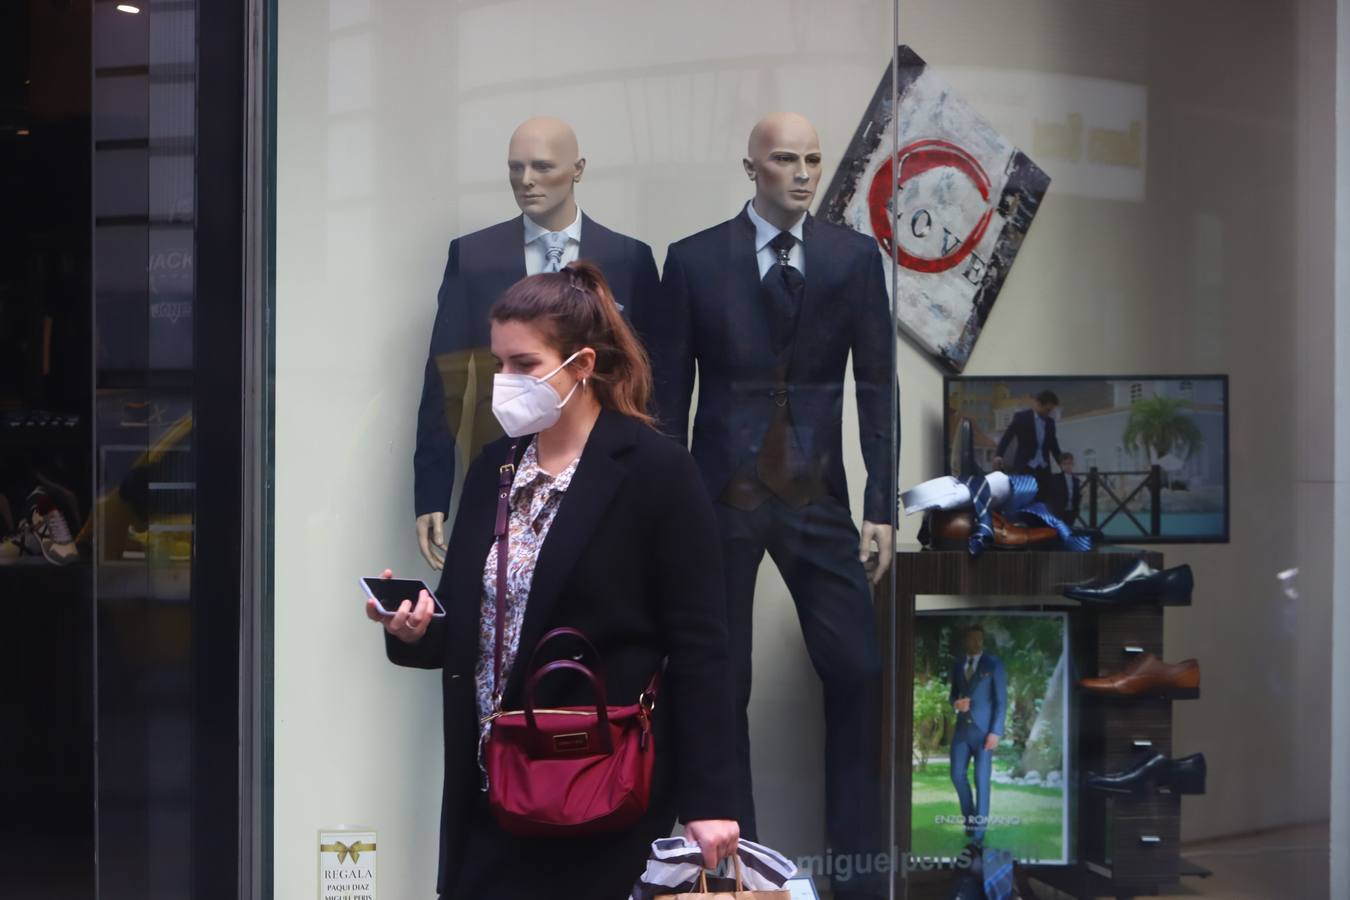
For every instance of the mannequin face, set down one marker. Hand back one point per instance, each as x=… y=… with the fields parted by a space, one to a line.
x=544 y=165
x=784 y=163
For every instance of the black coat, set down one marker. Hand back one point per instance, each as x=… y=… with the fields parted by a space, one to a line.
x=479 y=268
x=632 y=560
x=712 y=313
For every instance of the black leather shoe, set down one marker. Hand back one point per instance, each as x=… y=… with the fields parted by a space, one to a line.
x=1181 y=776
x=966 y=441
x=1141 y=583
x=1187 y=775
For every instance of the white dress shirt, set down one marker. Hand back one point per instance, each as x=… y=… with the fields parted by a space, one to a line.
x=766 y=232
x=946 y=492
x=536 y=253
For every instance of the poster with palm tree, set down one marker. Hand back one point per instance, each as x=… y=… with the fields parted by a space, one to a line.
x=1135 y=459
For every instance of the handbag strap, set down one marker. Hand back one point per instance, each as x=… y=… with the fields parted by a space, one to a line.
x=506 y=474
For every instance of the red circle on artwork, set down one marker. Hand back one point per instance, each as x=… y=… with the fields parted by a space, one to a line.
x=914 y=160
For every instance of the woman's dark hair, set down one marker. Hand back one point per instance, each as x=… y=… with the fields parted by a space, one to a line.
x=575 y=308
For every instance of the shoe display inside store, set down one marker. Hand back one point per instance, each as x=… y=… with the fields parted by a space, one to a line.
x=1147 y=675
x=1141 y=583
x=1181 y=776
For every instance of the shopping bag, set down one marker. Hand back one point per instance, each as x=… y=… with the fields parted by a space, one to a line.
x=675 y=869
x=739 y=894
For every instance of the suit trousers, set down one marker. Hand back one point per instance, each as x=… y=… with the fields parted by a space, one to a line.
x=816 y=550
x=968 y=744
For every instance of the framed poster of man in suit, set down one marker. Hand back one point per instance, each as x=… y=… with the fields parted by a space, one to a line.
x=991 y=726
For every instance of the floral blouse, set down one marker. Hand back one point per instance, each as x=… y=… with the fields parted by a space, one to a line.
x=535 y=498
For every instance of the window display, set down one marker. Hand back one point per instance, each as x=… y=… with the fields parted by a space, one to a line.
x=796 y=245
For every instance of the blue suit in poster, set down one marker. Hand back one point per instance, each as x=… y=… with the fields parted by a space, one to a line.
x=977 y=721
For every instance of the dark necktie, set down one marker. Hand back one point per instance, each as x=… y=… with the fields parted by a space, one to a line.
x=783 y=289
x=782 y=466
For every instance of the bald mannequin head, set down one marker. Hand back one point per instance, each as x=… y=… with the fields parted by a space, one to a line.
x=783 y=160
x=544 y=163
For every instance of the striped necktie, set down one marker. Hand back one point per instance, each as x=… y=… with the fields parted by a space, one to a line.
x=555 y=242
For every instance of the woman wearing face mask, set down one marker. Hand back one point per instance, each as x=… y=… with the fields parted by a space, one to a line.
x=611 y=533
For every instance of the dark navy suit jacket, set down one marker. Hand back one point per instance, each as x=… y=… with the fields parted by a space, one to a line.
x=712 y=314
x=1023 y=429
x=480 y=267
x=988 y=693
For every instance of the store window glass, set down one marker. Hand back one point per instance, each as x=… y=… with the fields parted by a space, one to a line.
x=967 y=663
x=426 y=159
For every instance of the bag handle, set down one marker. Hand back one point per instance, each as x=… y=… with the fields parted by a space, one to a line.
x=703 y=876
x=577 y=635
x=597 y=687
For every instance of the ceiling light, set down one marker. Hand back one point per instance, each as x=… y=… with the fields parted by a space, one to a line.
x=128 y=8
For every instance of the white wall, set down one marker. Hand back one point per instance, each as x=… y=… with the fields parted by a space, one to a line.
x=393 y=120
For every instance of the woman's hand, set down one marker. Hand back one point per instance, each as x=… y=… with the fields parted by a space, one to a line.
x=410 y=622
x=717 y=838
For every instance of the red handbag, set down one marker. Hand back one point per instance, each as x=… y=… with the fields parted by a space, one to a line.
x=564 y=772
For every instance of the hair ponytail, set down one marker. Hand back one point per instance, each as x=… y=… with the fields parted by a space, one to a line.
x=580 y=311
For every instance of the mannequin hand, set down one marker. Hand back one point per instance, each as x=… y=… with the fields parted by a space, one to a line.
x=430 y=537
x=884 y=538
x=410 y=622
x=717 y=838
x=991 y=742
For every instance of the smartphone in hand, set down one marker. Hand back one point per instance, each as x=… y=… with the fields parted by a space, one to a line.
x=389 y=593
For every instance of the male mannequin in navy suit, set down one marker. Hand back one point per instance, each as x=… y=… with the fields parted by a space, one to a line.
x=769 y=306
x=979 y=695
x=544 y=164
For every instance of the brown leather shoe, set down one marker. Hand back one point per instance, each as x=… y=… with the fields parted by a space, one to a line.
x=1006 y=534
x=955 y=527
x=1147 y=675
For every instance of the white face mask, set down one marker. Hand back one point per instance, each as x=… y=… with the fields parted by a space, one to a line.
x=524 y=404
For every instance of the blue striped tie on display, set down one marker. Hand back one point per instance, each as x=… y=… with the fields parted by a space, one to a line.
x=982 y=535
x=555 y=242
x=1029 y=512
x=1021 y=509
x=1038 y=513
x=1024 y=489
